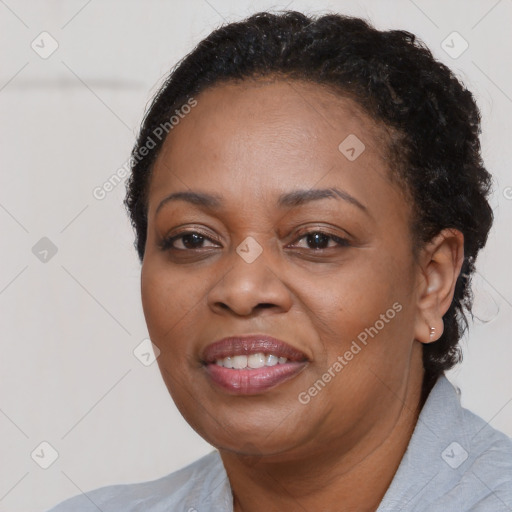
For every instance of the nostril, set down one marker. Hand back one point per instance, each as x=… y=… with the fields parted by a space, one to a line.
x=244 y=311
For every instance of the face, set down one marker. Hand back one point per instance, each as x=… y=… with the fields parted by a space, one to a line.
x=302 y=240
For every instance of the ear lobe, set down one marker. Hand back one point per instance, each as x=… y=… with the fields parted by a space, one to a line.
x=440 y=263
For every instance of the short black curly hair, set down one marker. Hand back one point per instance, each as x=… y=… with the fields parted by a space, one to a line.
x=395 y=79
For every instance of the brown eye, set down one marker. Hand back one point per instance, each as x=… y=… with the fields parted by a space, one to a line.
x=188 y=240
x=319 y=240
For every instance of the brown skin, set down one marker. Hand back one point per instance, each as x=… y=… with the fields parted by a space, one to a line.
x=249 y=143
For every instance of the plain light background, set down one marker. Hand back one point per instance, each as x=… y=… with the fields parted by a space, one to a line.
x=70 y=324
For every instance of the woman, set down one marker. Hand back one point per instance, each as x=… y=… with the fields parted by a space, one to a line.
x=309 y=198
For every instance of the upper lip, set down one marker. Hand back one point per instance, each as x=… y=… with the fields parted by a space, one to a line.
x=250 y=344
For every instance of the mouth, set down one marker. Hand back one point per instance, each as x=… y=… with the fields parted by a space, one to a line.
x=246 y=365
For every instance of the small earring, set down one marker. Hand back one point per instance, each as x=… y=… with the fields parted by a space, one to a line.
x=432 y=331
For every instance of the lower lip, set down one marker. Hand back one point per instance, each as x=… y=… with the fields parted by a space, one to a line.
x=253 y=381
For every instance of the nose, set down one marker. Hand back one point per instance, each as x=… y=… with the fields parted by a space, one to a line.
x=249 y=288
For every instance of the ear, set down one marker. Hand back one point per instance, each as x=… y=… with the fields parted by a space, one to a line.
x=440 y=262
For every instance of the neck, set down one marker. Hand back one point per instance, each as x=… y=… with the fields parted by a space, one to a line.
x=323 y=477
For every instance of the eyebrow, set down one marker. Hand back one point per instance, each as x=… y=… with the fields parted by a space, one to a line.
x=299 y=197
x=288 y=200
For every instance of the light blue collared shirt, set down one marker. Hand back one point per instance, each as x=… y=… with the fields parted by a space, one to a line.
x=455 y=462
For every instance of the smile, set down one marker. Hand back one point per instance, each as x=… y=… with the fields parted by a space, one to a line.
x=252 y=381
x=249 y=365
x=258 y=360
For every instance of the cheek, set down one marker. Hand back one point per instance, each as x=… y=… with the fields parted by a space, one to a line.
x=350 y=295
x=155 y=299
x=168 y=299
x=365 y=303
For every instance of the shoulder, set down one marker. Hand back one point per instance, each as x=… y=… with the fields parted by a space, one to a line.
x=476 y=475
x=481 y=450
x=203 y=481
x=455 y=461
x=486 y=472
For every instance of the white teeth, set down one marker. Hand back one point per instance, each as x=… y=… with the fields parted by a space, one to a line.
x=239 y=362
x=258 y=360
x=271 y=360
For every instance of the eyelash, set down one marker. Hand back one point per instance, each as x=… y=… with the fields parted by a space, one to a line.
x=166 y=243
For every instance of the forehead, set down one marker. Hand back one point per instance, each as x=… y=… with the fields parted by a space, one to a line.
x=270 y=136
